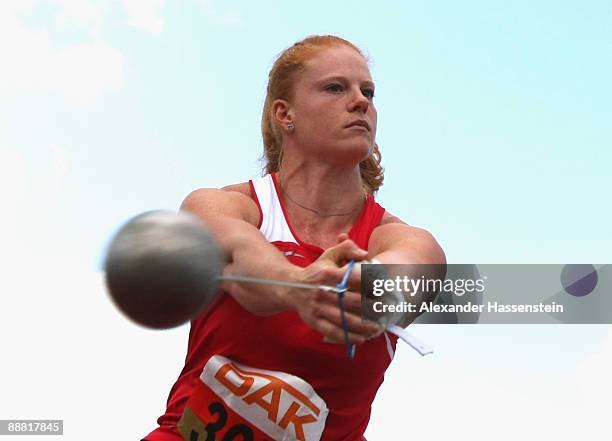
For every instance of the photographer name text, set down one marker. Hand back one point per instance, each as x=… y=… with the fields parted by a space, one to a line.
x=491 y=307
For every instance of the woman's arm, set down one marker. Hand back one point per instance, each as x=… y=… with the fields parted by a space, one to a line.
x=398 y=243
x=232 y=217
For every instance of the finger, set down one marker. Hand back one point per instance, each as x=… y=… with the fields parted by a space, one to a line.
x=343 y=252
x=342 y=237
x=352 y=302
x=354 y=280
x=355 y=324
x=333 y=333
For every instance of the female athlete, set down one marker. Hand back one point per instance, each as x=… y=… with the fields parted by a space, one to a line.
x=264 y=362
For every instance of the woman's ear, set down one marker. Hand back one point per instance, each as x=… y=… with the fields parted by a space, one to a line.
x=282 y=113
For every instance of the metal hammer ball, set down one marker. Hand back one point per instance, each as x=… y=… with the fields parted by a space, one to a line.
x=162 y=268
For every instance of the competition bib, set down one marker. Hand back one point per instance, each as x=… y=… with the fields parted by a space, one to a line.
x=234 y=402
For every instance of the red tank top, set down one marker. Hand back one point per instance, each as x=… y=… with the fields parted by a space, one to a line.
x=273 y=376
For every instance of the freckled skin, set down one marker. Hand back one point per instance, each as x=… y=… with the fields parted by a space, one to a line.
x=335 y=89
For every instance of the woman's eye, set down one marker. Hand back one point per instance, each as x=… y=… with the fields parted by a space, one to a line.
x=335 y=88
x=369 y=93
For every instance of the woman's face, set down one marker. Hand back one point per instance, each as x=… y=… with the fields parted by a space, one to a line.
x=334 y=92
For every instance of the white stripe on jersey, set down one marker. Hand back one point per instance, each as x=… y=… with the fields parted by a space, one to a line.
x=274 y=226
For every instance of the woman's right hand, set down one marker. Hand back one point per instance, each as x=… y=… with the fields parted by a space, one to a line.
x=320 y=309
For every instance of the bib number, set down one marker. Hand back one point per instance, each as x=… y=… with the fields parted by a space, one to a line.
x=233 y=402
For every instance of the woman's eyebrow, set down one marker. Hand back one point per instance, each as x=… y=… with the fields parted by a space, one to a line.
x=344 y=79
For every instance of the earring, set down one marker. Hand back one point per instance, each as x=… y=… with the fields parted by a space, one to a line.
x=290 y=126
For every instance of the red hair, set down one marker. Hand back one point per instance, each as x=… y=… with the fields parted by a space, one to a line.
x=283 y=75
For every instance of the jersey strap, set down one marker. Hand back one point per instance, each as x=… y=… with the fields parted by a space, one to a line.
x=273 y=224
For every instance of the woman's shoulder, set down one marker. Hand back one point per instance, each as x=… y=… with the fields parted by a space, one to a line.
x=391 y=222
x=234 y=200
x=389 y=218
x=242 y=188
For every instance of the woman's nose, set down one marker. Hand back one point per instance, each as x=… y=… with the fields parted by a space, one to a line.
x=359 y=101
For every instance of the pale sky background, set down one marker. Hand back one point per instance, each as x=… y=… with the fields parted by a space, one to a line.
x=494 y=124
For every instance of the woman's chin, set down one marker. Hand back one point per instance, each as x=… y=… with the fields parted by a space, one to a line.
x=349 y=154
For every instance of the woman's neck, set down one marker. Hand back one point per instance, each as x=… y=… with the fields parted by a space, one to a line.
x=320 y=196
